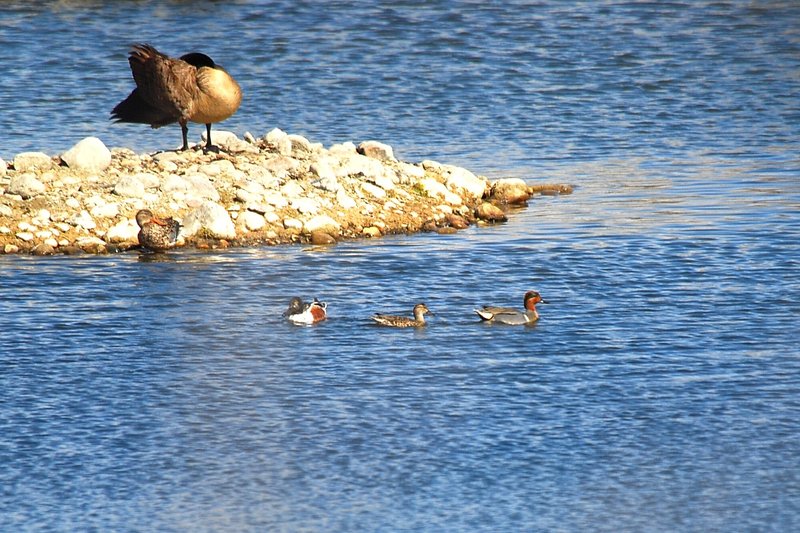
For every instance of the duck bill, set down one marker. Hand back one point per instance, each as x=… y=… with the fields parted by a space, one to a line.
x=159 y=221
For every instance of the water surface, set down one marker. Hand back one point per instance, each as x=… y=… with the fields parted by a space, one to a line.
x=659 y=392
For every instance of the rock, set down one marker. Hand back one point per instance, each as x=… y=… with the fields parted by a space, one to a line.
x=3 y=168
x=43 y=249
x=292 y=190
x=373 y=190
x=345 y=200
x=27 y=161
x=73 y=203
x=11 y=248
x=322 y=223
x=253 y=221
x=211 y=217
x=26 y=236
x=276 y=199
x=83 y=220
x=149 y=181
x=447 y=230
x=342 y=149
x=229 y=142
x=300 y=144
x=510 y=191
x=92 y=245
x=305 y=206
x=5 y=211
x=89 y=155
x=490 y=213
x=320 y=237
x=456 y=221
x=376 y=150
x=279 y=141
x=201 y=186
x=292 y=223
x=371 y=231
x=129 y=186
x=105 y=211
x=124 y=231
x=462 y=179
x=174 y=183
x=26 y=186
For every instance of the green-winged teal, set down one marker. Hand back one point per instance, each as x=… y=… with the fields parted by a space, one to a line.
x=509 y=315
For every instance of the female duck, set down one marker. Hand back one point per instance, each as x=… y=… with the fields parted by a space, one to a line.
x=157 y=234
x=402 y=321
x=509 y=315
x=306 y=313
x=168 y=90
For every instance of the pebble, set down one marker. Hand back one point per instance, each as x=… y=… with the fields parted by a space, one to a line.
x=322 y=238
x=322 y=223
x=490 y=213
x=510 y=191
x=253 y=221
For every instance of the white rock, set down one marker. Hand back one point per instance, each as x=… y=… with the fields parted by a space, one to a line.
x=253 y=221
x=202 y=187
x=376 y=150
x=279 y=141
x=218 y=168
x=306 y=206
x=300 y=143
x=11 y=248
x=149 y=181
x=5 y=211
x=323 y=168
x=89 y=155
x=292 y=189
x=105 y=211
x=32 y=161
x=174 y=183
x=44 y=234
x=51 y=242
x=373 y=190
x=463 y=179
x=25 y=226
x=276 y=199
x=42 y=216
x=26 y=236
x=213 y=218
x=3 y=168
x=322 y=223
x=292 y=223
x=342 y=149
x=229 y=142
x=129 y=186
x=83 y=220
x=282 y=166
x=272 y=217
x=124 y=231
x=344 y=199
x=25 y=185
x=431 y=187
x=5 y=230
x=73 y=203
x=89 y=241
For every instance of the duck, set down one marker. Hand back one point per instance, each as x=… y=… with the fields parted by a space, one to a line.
x=402 y=321
x=191 y=88
x=509 y=315
x=156 y=234
x=300 y=312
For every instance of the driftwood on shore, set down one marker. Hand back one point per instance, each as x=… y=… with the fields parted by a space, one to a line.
x=275 y=189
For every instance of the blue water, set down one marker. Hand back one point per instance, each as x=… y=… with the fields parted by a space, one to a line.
x=660 y=391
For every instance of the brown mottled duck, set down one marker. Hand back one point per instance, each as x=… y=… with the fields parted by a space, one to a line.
x=402 y=321
x=168 y=90
x=156 y=234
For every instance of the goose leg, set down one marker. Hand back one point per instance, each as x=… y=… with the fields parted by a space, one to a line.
x=185 y=133
x=209 y=147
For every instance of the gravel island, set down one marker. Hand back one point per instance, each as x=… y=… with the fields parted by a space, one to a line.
x=276 y=189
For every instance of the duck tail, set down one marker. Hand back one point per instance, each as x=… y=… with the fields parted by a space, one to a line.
x=485 y=315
